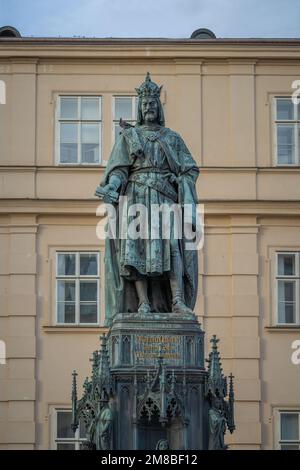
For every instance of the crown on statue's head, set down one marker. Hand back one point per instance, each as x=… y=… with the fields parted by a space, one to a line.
x=148 y=88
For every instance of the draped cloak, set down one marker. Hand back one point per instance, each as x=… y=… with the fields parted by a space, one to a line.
x=166 y=156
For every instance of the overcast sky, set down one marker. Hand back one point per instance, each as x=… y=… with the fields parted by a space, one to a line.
x=152 y=18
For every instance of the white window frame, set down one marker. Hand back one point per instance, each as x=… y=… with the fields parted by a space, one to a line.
x=295 y=278
x=296 y=124
x=58 y=120
x=134 y=99
x=77 y=277
x=76 y=440
x=278 y=440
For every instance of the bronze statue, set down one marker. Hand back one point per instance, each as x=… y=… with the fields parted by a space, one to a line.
x=162 y=444
x=217 y=425
x=151 y=166
x=151 y=289
x=104 y=425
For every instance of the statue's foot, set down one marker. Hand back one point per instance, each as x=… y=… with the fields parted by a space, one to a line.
x=144 y=308
x=180 y=308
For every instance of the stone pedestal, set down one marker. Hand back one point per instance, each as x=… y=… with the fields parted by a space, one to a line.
x=149 y=388
x=157 y=368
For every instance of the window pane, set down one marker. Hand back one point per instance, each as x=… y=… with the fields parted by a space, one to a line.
x=68 y=153
x=90 y=153
x=65 y=446
x=64 y=419
x=286 y=312
x=123 y=108
x=90 y=108
x=289 y=426
x=66 y=291
x=68 y=108
x=66 y=264
x=88 y=264
x=285 y=144
x=68 y=132
x=65 y=312
x=289 y=447
x=90 y=134
x=88 y=291
x=68 y=143
x=88 y=313
x=286 y=265
x=285 y=109
x=289 y=313
x=286 y=291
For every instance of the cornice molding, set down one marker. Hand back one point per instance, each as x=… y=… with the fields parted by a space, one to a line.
x=88 y=207
x=230 y=49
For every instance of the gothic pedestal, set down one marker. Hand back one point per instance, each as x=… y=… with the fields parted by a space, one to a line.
x=149 y=388
x=157 y=368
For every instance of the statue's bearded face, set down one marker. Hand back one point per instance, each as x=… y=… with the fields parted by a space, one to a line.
x=163 y=445
x=149 y=110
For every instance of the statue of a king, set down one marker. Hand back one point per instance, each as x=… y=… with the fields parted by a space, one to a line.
x=151 y=166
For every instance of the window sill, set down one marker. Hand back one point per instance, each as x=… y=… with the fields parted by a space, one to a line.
x=71 y=166
x=74 y=329
x=282 y=328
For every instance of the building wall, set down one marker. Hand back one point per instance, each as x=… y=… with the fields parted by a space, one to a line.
x=220 y=100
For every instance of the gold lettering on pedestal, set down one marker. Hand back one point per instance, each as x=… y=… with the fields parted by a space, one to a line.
x=148 y=347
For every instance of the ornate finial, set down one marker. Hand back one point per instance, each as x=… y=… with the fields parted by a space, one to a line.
x=102 y=338
x=103 y=356
x=74 y=384
x=216 y=382
x=230 y=422
x=86 y=384
x=148 y=88
x=214 y=340
x=74 y=423
x=95 y=362
x=103 y=371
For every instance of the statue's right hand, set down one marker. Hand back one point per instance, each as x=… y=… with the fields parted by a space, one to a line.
x=107 y=193
x=109 y=187
x=97 y=193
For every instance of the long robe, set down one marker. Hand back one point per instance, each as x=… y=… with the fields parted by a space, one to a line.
x=144 y=161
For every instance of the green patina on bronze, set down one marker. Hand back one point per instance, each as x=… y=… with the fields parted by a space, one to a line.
x=150 y=165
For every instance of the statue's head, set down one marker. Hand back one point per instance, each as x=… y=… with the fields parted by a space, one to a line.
x=104 y=398
x=150 y=110
x=162 y=445
x=217 y=402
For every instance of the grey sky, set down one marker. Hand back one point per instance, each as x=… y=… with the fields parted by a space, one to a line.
x=156 y=18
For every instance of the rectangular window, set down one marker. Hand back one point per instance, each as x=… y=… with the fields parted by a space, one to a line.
x=77 y=288
x=289 y=430
x=124 y=107
x=288 y=288
x=64 y=437
x=79 y=130
x=287 y=131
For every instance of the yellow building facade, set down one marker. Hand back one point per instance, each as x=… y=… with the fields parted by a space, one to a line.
x=231 y=101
